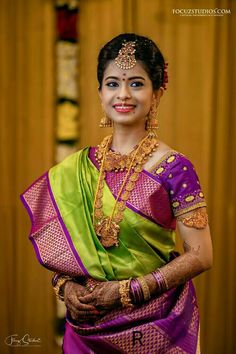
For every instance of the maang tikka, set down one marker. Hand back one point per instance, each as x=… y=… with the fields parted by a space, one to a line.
x=126 y=56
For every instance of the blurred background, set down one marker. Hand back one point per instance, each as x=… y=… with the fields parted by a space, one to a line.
x=49 y=107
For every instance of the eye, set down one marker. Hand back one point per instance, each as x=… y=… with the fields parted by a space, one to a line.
x=136 y=84
x=112 y=84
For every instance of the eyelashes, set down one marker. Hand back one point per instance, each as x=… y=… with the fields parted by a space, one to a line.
x=114 y=84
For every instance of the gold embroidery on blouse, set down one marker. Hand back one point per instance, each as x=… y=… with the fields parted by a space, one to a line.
x=198 y=219
x=190 y=198
x=157 y=164
x=190 y=208
x=159 y=170
x=170 y=159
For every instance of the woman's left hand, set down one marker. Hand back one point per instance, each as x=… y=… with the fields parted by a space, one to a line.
x=104 y=297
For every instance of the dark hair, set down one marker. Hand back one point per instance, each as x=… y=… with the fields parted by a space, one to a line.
x=146 y=51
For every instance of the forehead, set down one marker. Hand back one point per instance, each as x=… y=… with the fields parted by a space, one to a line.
x=113 y=70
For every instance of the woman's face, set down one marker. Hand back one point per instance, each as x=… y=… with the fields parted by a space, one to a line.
x=126 y=95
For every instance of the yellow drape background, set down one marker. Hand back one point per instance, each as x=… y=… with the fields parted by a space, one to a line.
x=196 y=117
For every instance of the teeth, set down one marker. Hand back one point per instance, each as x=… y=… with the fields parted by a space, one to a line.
x=123 y=107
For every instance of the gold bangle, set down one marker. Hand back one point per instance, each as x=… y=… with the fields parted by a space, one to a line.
x=60 y=282
x=145 y=288
x=164 y=279
x=124 y=293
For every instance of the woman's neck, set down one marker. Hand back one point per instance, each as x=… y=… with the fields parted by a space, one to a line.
x=125 y=138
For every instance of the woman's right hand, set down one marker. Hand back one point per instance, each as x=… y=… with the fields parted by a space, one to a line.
x=78 y=311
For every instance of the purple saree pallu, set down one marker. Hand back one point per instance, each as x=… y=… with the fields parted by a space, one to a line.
x=167 y=324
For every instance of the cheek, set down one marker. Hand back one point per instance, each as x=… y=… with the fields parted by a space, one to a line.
x=145 y=102
x=106 y=96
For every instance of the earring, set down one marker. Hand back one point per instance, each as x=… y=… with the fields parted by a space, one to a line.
x=105 y=121
x=152 y=122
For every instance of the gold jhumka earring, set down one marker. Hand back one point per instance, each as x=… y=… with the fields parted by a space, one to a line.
x=152 y=122
x=105 y=121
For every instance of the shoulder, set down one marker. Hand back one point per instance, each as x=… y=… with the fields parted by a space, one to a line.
x=167 y=159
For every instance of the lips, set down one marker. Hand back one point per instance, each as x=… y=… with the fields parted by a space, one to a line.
x=125 y=108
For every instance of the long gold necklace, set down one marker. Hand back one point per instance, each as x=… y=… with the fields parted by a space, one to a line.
x=107 y=227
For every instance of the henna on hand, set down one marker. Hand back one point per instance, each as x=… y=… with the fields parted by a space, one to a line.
x=104 y=297
x=78 y=310
x=179 y=270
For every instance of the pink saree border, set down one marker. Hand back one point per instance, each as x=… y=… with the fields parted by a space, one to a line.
x=46 y=225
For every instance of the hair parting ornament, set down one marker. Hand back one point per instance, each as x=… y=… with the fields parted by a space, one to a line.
x=126 y=56
x=126 y=59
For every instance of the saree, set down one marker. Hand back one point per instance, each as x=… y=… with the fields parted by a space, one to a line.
x=60 y=205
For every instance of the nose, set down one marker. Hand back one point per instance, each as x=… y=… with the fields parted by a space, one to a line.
x=124 y=93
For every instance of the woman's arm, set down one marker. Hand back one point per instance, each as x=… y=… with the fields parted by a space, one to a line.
x=197 y=257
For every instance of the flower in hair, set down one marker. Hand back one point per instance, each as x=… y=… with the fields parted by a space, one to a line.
x=165 y=78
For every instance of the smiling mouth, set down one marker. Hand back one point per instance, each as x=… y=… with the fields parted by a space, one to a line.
x=124 y=108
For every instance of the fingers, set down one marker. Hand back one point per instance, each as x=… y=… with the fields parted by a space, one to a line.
x=83 y=311
x=74 y=302
x=88 y=313
x=86 y=299
x=83 y=316
x=73 y=288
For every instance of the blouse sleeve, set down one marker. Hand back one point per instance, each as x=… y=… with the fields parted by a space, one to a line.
x=184 y=187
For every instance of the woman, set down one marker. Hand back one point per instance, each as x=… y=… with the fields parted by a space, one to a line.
x=104 y=220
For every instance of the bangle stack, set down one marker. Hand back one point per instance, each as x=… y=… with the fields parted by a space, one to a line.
x=145 y=288
x=136 y=291
x=58 y=281
x=161 y=281
x=139 y=291
x=124 y=290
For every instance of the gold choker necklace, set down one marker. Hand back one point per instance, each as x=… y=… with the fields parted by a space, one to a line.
x=115 y=161
x=107 y=227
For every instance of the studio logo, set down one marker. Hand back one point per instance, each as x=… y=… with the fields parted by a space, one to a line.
x=201 y=12
x=14 y=340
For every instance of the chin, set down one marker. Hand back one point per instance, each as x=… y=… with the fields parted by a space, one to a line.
x=127 y=120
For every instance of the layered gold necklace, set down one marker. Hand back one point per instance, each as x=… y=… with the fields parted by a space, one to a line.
x=107 y=227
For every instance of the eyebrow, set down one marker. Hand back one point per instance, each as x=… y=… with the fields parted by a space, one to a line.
x=131 y=78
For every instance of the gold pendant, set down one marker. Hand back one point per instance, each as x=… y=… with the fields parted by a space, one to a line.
x=108 y=232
